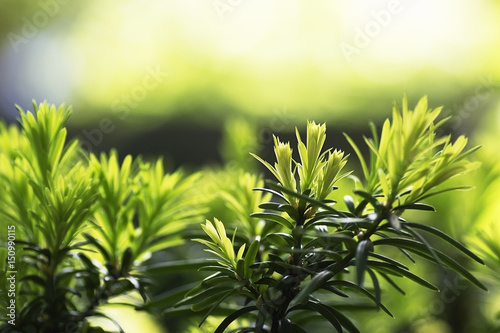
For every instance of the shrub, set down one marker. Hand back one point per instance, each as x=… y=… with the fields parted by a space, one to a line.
x=83 y=225
x=83 y=228
x=302 y=256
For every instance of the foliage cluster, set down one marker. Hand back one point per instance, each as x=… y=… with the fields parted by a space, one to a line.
x=86 y=226
x=302 y=258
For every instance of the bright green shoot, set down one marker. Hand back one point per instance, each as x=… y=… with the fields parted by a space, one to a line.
x=50 y=190
x=139 y=190
x=408 y=161
x=221 y=245
x=317 y=170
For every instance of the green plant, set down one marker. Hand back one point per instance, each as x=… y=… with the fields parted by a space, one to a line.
x=84 y=226
x=300 y=258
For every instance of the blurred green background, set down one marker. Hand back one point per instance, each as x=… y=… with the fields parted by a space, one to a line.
x=204 y=82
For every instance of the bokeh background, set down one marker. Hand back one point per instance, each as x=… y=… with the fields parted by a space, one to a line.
x=202 y=82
